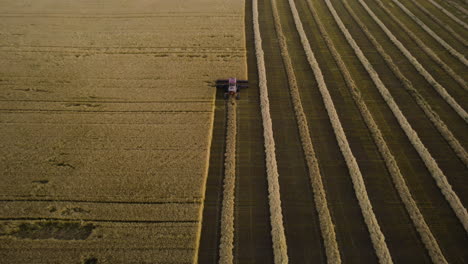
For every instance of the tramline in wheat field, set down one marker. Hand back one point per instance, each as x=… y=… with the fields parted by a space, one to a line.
x=124 y=140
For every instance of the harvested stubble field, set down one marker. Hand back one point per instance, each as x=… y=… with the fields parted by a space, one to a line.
x=367 y=104
x=350 y=145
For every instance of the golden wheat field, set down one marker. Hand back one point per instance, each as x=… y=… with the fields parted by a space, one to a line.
x=106 y=120
x=349 y=144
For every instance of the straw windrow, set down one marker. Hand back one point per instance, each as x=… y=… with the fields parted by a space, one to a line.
x=276 y=216
x=413 y=137
x=320 y=199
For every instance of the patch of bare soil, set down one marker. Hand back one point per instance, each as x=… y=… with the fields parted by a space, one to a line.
x=48 y=229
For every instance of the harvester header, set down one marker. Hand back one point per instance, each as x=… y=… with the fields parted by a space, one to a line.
x=232 y=86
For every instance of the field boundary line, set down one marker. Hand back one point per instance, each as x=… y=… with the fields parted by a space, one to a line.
x=423 y=104
x=416 y=216
x=205 y=180
x=442 y=42
x=226 y=243
x=277 y=228
x=424 y=47
x=440 y=23
x=449 y=14
x=94 y=220
x=438 y=87
x=413 y=137
x=95 y=201
x=326 y=223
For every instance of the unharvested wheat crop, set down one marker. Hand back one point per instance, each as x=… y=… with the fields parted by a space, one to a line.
x=117 y=112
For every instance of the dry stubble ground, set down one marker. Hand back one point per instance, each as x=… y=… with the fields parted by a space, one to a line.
x=105 y=114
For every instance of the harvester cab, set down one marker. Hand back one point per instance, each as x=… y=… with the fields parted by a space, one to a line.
x=232 y=87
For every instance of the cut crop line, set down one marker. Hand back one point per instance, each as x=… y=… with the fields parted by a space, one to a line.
x=94 y=111
x=106 y=102
x=439 y=88
x=280 y=249
x=449 y=14
x=187 y=80
x=422 y=103
x=440 y=23
x=96 y=202
x=425 y=48
x=398 y=180
x=129 y=53
x=326 y=223
x=442 y=42
x=226 y=243
x=165 y=48
x=119 y=15
x=113 y=248
x=376 y=235
x=92 y=220
x=413 y=137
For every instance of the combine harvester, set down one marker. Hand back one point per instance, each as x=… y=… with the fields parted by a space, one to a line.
x=232 y=87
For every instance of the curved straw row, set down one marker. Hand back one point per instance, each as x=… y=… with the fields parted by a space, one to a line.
x=440 y=23
x=434 y=35
x=458 y=6
x=424 y=47
x=454 y=18
x=439 y=88
x=430 y=113
x=428 y=160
